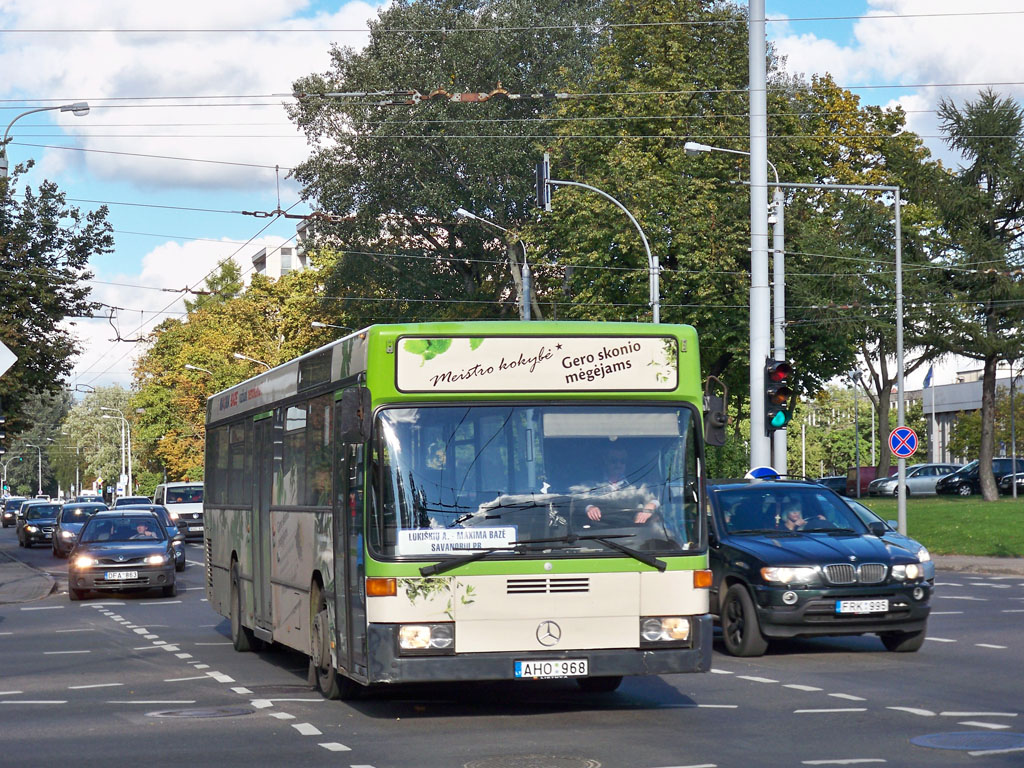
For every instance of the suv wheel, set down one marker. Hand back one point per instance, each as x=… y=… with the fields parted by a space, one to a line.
x=964 y=489
x=740 y=629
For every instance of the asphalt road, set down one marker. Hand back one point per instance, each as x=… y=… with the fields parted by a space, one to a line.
x=133 y=680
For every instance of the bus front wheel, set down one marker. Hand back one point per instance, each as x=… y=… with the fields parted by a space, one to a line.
x=242 y=638
x=320 y=663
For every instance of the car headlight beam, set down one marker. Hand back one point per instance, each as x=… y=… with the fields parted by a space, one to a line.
x=83 y=561
x=156 y=559
x=782 y=574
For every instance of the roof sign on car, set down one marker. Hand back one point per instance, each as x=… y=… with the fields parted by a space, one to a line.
x=761 y=473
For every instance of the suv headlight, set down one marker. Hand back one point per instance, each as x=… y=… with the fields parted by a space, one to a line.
x=908 y=572
x=31 y=529
x=803 y=574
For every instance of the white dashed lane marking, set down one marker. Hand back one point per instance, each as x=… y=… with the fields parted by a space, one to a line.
x=307 y=729
x=797 y=687
x=989 y=645
x=757 y=679
x=333 y=746
x=914 y=711
x=828 y=711
x=95 y=685
x=940 y=639
x=848 y=696
x=976 y=724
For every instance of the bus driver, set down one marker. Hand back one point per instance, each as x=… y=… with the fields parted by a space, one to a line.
x=616 y=486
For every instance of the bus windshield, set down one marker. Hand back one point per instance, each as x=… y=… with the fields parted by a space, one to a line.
x=551 y=479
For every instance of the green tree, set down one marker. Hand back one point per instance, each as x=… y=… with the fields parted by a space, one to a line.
x=98 y=433
x=982 y=211
x=391 y=170
x=42 y=414
x=45 y=247
x=224 y=284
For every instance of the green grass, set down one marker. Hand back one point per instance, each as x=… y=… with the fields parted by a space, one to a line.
x=950 y=525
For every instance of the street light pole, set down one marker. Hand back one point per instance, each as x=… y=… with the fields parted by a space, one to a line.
x=191 y=367
x=653 y=269
x=777 y=219
x=39 y=465
x=525 y=277
x=125 y=429
x=79 y=109
x=240 y=356
x=5 y=463
x=318 y=324
x=854 y=376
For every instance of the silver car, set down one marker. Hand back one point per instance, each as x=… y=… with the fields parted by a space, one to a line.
x=921 y=480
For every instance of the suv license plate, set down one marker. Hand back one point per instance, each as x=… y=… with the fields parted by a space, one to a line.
x=544 y=668
x=121 y=575
x=195 y=527
x=862 y=606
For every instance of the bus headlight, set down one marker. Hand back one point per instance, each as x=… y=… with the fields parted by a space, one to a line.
x=427 y=638
x=664 y=629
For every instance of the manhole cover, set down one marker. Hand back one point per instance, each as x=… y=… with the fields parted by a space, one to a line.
x=533 y=761
x=970 y=740
x=203 y=712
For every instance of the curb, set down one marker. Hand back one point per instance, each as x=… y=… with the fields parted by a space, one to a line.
x=21 y=583
x=996 y=566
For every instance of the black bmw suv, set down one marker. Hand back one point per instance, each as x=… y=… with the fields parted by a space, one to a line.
x=790 y=559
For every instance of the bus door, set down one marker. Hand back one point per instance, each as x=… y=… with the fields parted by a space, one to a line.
x=350 y=606
x=264 y=471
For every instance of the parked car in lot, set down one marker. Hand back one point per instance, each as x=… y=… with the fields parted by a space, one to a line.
x=121 y=550
x=1006 y=483
x=123 y=501
x=966 y=481
x=36 y=522
x=836 y=482
x=10 y=510
x=868 y=516
x=921 y=480
x=184 y=500
x=791 y=559
x=177 y=537
x=72 y=517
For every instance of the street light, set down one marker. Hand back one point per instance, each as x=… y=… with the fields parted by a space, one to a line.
x=191 y=367
x=524 y=287
x=653 y=269
x=780 y=440
x=855 y=380
x=78 y=109
x=4 y=464
x=318 y=324
x=125 y=429
x=240 y=356
x=39 y=456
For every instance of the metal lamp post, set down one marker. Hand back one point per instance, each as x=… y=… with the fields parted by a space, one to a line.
x=78 y=109
x=39 y=465
x=240 y=356
x=779 y=439
x=525 y=277
x=125 y=430
x=191 y=367
x=5 y=464
x=318 y=324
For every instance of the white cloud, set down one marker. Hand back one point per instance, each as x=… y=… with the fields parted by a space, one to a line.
x=145 y=299
x=114 y=70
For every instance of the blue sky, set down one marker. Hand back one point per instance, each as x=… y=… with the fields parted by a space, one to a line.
x=151 y=141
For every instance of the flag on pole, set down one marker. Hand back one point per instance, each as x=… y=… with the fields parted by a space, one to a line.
x=928 y=377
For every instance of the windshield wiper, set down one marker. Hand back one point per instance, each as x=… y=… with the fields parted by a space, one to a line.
x=455 y=562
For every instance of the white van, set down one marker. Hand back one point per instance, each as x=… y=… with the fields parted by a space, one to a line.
x=184 y=500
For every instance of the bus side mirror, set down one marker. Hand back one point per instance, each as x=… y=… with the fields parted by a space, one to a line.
x=715 y=415
x=356 y=415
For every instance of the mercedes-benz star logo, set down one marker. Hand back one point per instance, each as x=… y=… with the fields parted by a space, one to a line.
x=548 y=633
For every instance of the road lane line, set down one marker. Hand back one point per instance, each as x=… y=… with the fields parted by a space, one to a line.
x=1013 y=610
x=221 y=677
x=946 y=613
x=11 y=693
x=978 y=714
x=34 y=701
x=146 y=648
x=754 y=679
x=43 y=608
x=983 y=752
x=154 y=701
x=721 y=672
x=963 y=597
x=846 y=761
x=940 y=639
x=989 y=645
x=94 y=685
x=848 y=696
x=141 y=631
x=828 y=711
x=307 y=729
x=161 y=602
x=170 y=648
x=227 y=642
x=84 y=629
x=241 y=690
x=333 y=746
x=59 y=653
x=282 y=715
x=914 y=711
x=976 y=724
x=797 y=687
x=183 y=655
x=183 y=679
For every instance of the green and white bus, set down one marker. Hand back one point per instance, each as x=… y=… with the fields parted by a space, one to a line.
x=425 y=502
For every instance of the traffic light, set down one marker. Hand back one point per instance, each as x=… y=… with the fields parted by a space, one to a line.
x=543 y=187
x=778 y=395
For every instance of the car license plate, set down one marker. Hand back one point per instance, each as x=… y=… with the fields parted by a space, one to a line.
x=862 y=606
x=549 y=668
x=195 y=527
x=121 y=575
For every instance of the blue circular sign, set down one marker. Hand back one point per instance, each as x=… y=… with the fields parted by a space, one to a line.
x=903 y=442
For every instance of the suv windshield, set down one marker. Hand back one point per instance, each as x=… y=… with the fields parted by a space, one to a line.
x=767 y=507
x=452 y=480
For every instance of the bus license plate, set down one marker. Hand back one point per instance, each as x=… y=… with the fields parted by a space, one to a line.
x=545 y=668
x=121 y=575
x=862 y=606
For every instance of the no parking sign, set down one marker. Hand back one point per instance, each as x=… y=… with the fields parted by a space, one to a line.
x=903 y=442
